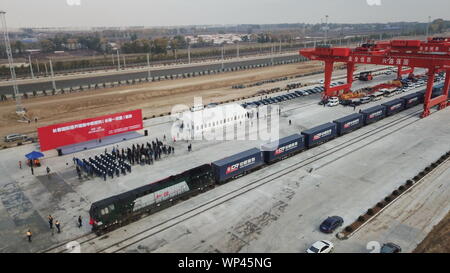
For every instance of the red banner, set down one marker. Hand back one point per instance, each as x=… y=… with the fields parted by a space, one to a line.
x=58 y=135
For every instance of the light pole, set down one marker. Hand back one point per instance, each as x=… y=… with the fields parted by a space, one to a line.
x=428 y=26
x=223 y=49
x=118 y=60
x=19 y=108
x=31 y=66
x=148 y=65
x=53 y=76
x=189 y=53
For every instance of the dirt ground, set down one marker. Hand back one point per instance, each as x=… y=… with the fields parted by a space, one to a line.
x=438 y=240
x=153 y=98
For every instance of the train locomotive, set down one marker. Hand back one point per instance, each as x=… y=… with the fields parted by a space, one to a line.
x=121 y=209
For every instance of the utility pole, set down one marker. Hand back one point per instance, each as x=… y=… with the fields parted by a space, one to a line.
x=326 y=28
x=19 y=108
x=53 y=76
x=124 y=63
x=428 y=26
x=118 y=60
x=31 y=66
x=280 y=46
x=112 y=58
x=237 y=49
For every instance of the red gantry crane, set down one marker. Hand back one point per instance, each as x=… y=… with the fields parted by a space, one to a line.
x=433 y=54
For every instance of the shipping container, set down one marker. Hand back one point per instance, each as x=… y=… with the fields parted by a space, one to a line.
x=421 y=95
x=319 y=134
x=411 y=100
x=373 y=114
x=349 y=123
x=237 y=164
x=282 y=148
x=394 y=106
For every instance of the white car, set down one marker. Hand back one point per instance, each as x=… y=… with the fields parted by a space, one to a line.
x=322 y=246
x=333 y=101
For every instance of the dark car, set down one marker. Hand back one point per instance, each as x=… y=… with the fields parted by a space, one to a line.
x=390 y=248
x=292 y=96
x=331 y=223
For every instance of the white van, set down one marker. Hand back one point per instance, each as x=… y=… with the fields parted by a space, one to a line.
x=377 y=95
x=14 y=137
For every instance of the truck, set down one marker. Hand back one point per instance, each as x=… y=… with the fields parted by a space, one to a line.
x=365 y=76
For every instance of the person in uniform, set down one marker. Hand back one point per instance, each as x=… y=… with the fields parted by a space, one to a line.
x=58 y=226
x=29 y=234
x=50 y=221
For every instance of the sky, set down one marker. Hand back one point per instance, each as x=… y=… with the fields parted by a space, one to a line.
x=114 y=13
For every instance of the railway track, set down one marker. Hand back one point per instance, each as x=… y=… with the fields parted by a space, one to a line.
x=121 y=244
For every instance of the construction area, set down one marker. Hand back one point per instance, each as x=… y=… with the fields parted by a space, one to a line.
x=361 y=135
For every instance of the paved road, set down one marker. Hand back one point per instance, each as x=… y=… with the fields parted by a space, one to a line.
x=408 y=220
x=47 y=85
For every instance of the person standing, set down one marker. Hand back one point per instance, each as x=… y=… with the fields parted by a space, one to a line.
x=80 y=221
x=29 y=234
x=20 y=164
x=50 y=221
x=58 y=226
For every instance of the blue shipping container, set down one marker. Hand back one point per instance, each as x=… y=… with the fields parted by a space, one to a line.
x=394 y=106
x=319 y=134
x=373 y=114
x=411 y=100
x=283 y=147
x=237 y=164
x=349 y=123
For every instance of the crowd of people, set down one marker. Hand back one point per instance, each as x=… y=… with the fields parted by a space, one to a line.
x=119 y=161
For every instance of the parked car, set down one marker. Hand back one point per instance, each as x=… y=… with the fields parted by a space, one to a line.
x=331 y=223
x=15 y=137
x=377 y=96
x=322 y=246
x=390 y=248
x=333 y=101
x=355 y=102
x=365 y=100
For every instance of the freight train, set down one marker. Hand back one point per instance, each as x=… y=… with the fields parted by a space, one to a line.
x=121 y=209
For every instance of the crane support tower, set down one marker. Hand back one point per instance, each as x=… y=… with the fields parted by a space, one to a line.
x=432 y=54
